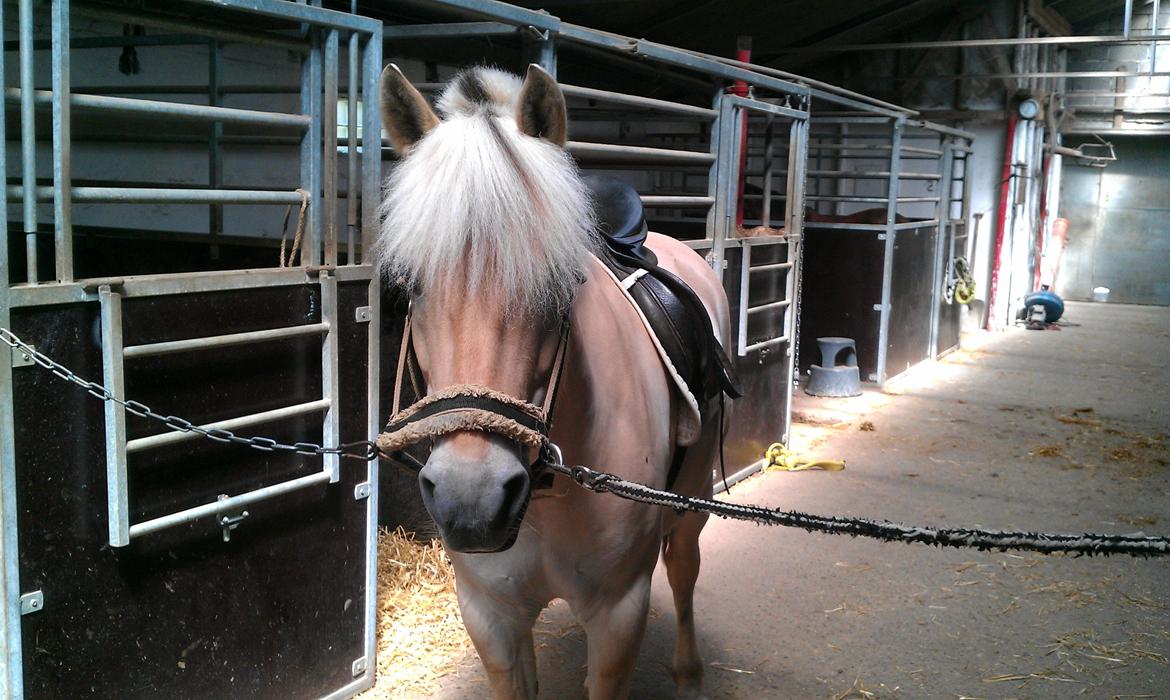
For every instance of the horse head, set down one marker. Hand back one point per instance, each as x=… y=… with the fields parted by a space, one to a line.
x=486 y=222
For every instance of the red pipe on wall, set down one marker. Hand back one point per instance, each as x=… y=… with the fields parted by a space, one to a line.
x=743 y=52
x=1000 y=224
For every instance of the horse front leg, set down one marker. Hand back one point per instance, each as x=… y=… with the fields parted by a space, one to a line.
x=614 y=631
x=502 y=635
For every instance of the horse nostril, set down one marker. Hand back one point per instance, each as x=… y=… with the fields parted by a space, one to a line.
x=427 y=486
x=515 y=491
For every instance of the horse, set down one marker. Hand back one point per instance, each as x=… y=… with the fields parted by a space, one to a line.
x=486 y=224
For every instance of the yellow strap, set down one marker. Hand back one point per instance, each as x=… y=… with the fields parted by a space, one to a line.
x=780 y=459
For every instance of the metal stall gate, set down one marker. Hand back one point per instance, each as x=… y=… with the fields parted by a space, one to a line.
x=146 y=562
x=683 y=156
x=881 y=242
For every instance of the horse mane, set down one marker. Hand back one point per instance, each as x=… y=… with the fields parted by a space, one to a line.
x=481 y=206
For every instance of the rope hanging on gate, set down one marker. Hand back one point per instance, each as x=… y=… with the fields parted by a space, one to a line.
x=296 y=246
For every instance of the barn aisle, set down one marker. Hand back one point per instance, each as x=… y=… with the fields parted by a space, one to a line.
x=1060 y=430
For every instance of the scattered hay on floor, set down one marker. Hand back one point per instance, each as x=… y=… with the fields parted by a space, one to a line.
x=867 y=426
x=420 y=632
x=1078 y=420
x=1049 y=451
x=1122 y=454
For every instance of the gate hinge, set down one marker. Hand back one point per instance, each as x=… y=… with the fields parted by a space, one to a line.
x=363 y=314
x=361 y=491
x=359 y=667
x=32 y=602
x=21 y=358
x=879 y=307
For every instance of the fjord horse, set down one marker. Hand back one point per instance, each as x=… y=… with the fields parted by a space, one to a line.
x=487 y=224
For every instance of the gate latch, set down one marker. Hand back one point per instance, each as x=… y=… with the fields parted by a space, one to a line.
x=229 y=522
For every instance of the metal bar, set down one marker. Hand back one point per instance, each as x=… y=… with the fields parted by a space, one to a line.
x=169 y=438
x=62 y=172
x=727 y=154
x=329 y=148
x=311 y=89
x=854 y=198
x=873 y=175
x=782 y=304
x=371 y=157
x=228 y=504
x=773 y=266
x=254 y=38
x=677 y=57
x=330 y=378
x=767 y=107
x=220 y=341
x=28 y=139
x=612 y=153
x=654 y=200
x=11 y=635
x=888 y=257
x=158 y=195
x=408 y=32
x=745 y=285
x=280 y=9
x=769 y=163
x=713 y=138
x=942 y=243
x=767 y=344
x=116 y=42
x=1096 y=39
x=1127 y=23
x=547 y=53
x=636 y=101
x=113 y=377
x=1048 y=74
x=178 y=110
x=825 y=91
x=352 y=157
x=23 y=296
x=500 y=12
x=214 y=155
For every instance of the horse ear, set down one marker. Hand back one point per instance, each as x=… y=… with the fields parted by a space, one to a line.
x=406 y=115
x=540 y=111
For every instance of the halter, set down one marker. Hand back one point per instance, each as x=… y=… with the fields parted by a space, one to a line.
x=461 y=407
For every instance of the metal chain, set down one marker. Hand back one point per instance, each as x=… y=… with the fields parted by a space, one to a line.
x=369 y=450
x=1047 y=543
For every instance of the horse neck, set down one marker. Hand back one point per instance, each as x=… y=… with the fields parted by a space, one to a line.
x=614 y=406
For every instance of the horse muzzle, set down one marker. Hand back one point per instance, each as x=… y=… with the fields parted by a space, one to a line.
x=477 y=502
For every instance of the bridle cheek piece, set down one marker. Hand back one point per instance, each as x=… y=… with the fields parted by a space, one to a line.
x=463 y=407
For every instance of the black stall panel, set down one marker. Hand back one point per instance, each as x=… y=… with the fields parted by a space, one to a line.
x=761 y=416
x=276 y=612
x=841 y=284
x=911 y=299
x=949 y=323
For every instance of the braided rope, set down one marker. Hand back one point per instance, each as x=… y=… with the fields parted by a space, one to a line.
x=1137 y=545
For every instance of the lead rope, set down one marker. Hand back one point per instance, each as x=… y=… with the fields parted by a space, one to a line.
x=602 y=482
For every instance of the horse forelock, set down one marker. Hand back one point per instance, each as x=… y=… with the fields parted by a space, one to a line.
x=480 y=206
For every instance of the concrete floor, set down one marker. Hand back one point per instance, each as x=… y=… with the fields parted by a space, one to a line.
x=1065 y=431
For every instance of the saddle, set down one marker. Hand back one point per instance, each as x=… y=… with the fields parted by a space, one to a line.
x=674 y=313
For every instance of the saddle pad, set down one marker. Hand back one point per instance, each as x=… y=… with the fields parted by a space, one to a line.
x=689 y=421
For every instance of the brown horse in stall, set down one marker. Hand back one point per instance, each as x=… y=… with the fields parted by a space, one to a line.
x=489 y=226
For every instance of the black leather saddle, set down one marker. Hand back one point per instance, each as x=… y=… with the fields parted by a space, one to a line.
x=675 y=312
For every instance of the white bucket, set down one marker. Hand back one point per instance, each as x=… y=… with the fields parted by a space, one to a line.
x=1100 y=293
